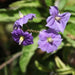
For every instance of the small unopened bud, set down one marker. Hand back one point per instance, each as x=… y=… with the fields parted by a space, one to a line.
x=20 y=14
x=21 y=40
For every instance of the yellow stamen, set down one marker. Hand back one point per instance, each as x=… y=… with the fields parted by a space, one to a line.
x=57 y=18
x=15 y=28
x=49 y=39
x=21 y=40
x=20 y=14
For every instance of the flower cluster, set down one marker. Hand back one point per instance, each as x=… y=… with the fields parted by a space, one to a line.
x=49 y=40
x=21 y=37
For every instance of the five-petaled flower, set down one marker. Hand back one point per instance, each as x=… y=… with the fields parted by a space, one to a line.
x=21 y=37
x=57 y=21
x=49 y=40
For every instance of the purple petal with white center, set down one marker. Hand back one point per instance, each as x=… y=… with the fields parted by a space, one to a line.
x=28 y=38
x=56 y=26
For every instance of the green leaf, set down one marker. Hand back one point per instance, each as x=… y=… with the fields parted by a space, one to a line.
x=70 y=8
x=41 y=67
x=73 y=73
x=16 y=5
x=51 y=65
x=14 y=15
x=70 y=3
x=59 y=63
x=62 y=3
x=28 y=52
x=72 y=19
x=19 y=4
x=71 y=41
x=48 y=2
x=69 y=34
x=64 y=69
x=70 y=28
x=65 y=73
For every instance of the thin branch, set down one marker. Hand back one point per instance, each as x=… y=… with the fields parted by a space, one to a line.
x=10 y=60
x=35 y=31
x=27 y=26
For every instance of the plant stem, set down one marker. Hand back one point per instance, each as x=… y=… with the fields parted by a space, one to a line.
x=30 y=30
x=5 y=70
x=73 y=73
x=10 y=60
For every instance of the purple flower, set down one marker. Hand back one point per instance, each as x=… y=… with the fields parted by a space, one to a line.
x=57 y=21
x=18 y=23
x=23 y=38
x=23 y=20
x=49 y=40
x=28 y=17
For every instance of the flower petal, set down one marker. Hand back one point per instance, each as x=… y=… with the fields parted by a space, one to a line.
x=42 y=35
x=53 y=10
x=18 y=23
x=56 y=26
x=60 y=27
x=50 y=22
x=28 y=17
x=51 y=48
x=58 y=41
x=48 y=19
x=43 y=45
x=64 y=18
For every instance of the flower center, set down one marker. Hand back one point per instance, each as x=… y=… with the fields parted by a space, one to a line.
x=57 y=18
x=20 y=14
x=21 y=39
x=49 y=39
x=15 y=28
